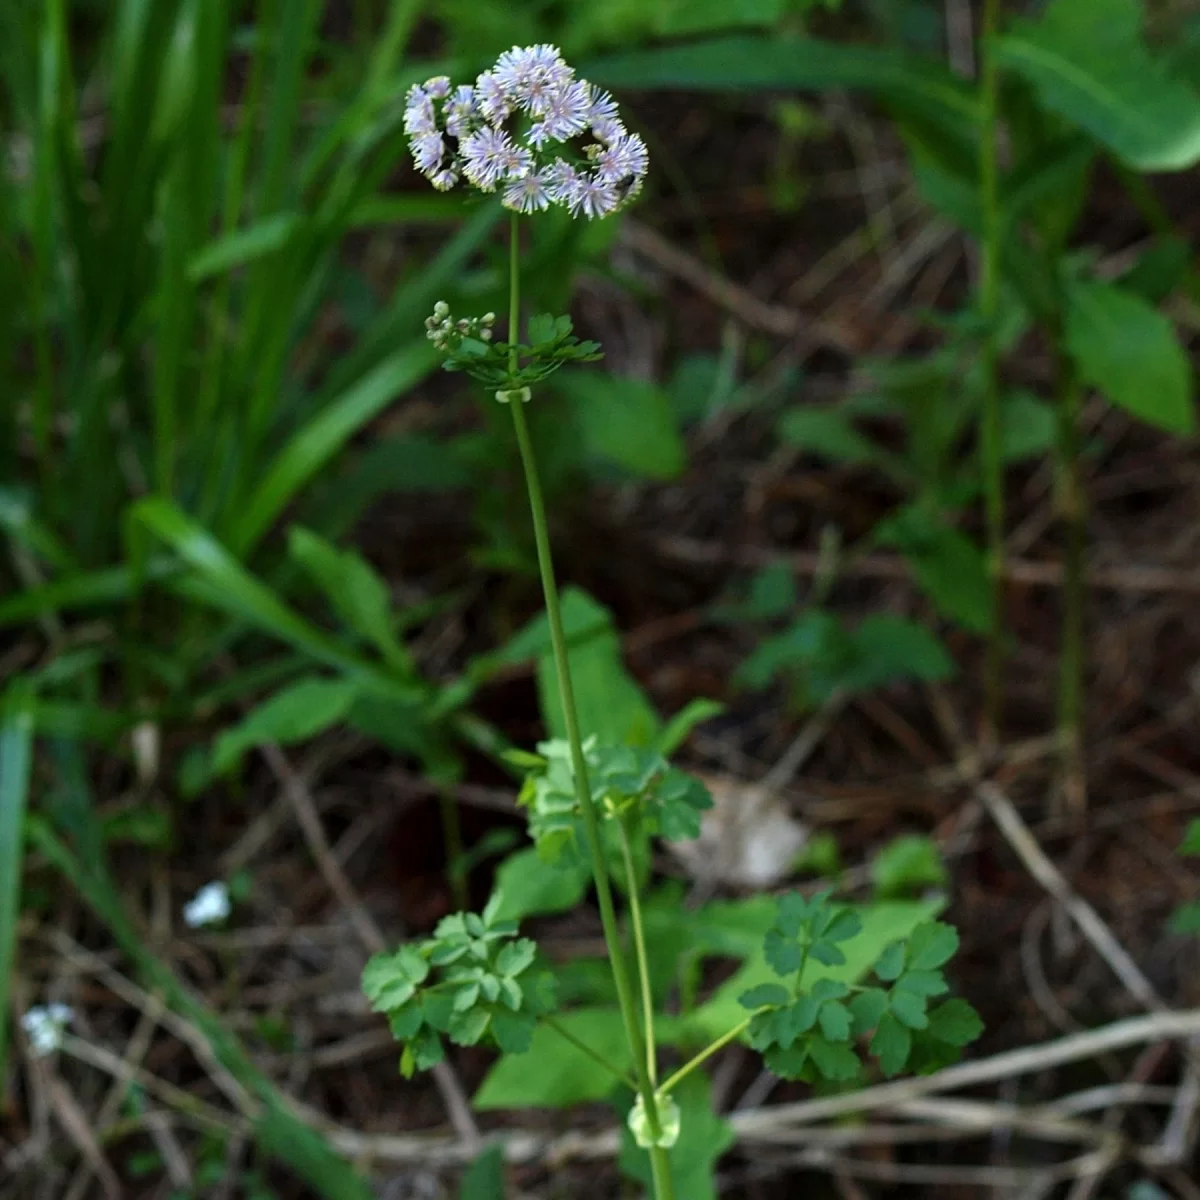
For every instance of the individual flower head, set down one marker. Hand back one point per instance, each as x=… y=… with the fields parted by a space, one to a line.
x=490 y=156
x=44 y=1026
x=209 y=906
x=530 y=128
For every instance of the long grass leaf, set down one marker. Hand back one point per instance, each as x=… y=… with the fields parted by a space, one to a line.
x=311 y=447
x=221 y=582
x=16 y=746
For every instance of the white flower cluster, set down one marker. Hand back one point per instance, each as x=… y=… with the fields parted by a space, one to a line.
x=441 y=328
x=44 y=1026
x=502 y=131
x=209 y=906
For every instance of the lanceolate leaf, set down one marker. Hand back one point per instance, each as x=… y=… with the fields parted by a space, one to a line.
x=16 y=742
x=1087 y=60
x=1127 y=350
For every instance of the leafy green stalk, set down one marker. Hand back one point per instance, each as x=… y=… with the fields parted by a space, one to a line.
x=991 y=450
x=582 y=1046
x=698 y=1060
x=591 y=820
x=639 y=945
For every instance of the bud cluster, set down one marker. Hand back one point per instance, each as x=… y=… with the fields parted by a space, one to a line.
x=446 y=333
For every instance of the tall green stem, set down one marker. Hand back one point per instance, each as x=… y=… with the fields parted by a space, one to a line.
x=583 y=793
x=1073 y=508
x=989 y=305
x=639 y=946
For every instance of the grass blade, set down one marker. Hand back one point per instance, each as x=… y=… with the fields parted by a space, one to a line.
x=16 y=746
x=312 y=446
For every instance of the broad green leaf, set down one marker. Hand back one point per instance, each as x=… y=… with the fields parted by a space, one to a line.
x=16 y=749
x=893 y=648
x=703 y=1139
x=891 y=1044
x=609 y=701
x=955 y=1022
x=529 y=886
x=1191 y=839
x=949 y=567
x=484 y=1178
x=907 y=864
x=736 y=929
x=295 y=713
x=835 y=1060
x=1088 y=63
x=1028 y=426
x=1128 y=351
x=1186 y=918
x=553 y=1073
x=828 y=433
x=242 y=246
x=359 y=596
x=627 y=422
x=932 y=945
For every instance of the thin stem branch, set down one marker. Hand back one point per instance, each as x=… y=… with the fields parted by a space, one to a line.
x=639 y=945
x=452 y=841
x=596 y=1057
x=704 y=1055
x=992 y=465
x=583 y=791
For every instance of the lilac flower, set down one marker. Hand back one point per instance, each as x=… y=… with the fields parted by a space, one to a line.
x=494 y=99
x=491 y=156
x=528 y=194
x=564 y=114
x=532 y=74
x=623 y=158
x=561 y=181
x=592 y=197
x=438 y=87
x=419 y=117
x=428 y=151
x=607 y=129
x=445 y=179
x=461 y=111
x=601 y=106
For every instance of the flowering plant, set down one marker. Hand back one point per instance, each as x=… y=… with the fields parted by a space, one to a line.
x=531 y=130
x=517 y=128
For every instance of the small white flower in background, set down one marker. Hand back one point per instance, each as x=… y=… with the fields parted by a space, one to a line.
x=515 y=129
x=208 y=906
x=44 y=1026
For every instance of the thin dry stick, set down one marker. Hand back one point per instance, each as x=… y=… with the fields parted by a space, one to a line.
x=1177 y=1136
x=786 y=1122
x=137 y=997
x=784 y=322
x=1017 y=834
x=369 y=934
